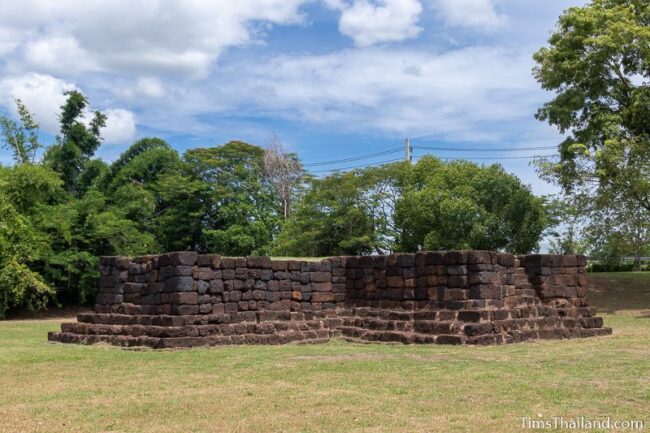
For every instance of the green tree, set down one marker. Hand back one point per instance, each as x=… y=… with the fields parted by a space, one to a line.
x=331 y=219
x=21 y=246
x=153 y=188
x=461 y=205
x=76 y=143
x=21 y=139
x=240 y=210
x=597 y=64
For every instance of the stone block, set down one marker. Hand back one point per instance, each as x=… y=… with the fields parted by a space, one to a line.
x=183 y=258
x=321 y=287
x=319 y=277
x=179 y=284
x=322 y=297
x=185 y=298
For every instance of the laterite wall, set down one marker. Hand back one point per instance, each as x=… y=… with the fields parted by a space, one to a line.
x=457 y=297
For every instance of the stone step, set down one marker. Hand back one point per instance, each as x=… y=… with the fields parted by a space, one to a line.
x=367 y=335
x=192 y=330
x=312 y=336
x=204 y=319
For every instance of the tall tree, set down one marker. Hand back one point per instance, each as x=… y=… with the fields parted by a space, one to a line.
x=331 y=219
x=21 y=139
x=240 y=211
x=153 y=187
x=22 y=246
x=598 y=65
x=460 y=205
x=284 y=171
x=76 y=143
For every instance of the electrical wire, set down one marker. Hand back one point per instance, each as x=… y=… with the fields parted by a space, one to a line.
x=468 y=149
x=356 y=152
x=357 y=166
x=493 y=159
x=445 y=159
x=339 y=161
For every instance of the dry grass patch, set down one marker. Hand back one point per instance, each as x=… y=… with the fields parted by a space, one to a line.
x=328 y=387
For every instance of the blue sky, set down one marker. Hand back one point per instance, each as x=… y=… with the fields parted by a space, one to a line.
x=333 y=78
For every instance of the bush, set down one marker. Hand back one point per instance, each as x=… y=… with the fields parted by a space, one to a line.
x=610 y=267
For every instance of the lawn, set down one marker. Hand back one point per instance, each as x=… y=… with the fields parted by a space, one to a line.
x=331 y=387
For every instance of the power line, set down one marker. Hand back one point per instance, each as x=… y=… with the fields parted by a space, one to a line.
x=468 y=149
x=351 y=159
x=493 y=159
x=445 y=159
x=358 y=166
x=329 y=155
x=442 y=149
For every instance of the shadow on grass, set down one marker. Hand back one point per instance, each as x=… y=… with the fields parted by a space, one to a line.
x=615 y=291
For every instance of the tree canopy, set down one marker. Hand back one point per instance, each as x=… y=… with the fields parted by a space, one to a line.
x=431 y=205
x=64 y=208
x=598 y=65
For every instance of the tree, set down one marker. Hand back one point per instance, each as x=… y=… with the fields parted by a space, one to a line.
x=568 y=216
x=21 y=139
x=606 y=225
x=153 y=187
x=461 y=205
x=598 y=65
x=76 y=143
x=284 y=172
x=625 y=226
x=21 y=246
x=331 y=219
x=240 y=211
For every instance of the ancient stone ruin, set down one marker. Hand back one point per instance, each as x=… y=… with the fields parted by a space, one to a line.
x=184 y=299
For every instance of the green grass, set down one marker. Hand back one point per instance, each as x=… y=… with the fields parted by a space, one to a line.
x=330 y=387
x=615 y=291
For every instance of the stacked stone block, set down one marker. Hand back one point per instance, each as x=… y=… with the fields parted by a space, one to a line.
x=184 y=299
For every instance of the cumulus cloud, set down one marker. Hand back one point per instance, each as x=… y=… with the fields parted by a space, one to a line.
x=370 y=22
x=120 y=126
x=153 y=36
x=470 y=13
x=44 y=95
x=150 y=87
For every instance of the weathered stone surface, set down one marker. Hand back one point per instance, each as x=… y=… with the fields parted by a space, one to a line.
x=457 y=297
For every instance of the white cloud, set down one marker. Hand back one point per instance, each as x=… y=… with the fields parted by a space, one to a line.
x=44 y=95
x=453 y=94
x=58 y=54
x=144 y=37
x=120 y=126
x=480 y=14
x=150 y=86
x=369 y=22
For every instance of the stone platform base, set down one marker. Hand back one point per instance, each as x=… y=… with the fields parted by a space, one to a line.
x=463 y=327
x=164 y=331
x=184 y=299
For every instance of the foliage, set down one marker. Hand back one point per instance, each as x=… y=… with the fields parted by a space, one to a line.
x=606 y=225
x=431 y=205
x=597 y=64
x=21 y=139
x=240 y=212
x=60 y=215
x=460 y=205
x=20 y=246
x=331 y=219
x=76 y=143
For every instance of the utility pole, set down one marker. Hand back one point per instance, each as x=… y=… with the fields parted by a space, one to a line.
x=408 y=149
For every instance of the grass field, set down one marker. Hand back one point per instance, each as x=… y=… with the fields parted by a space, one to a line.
x=331 y=387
